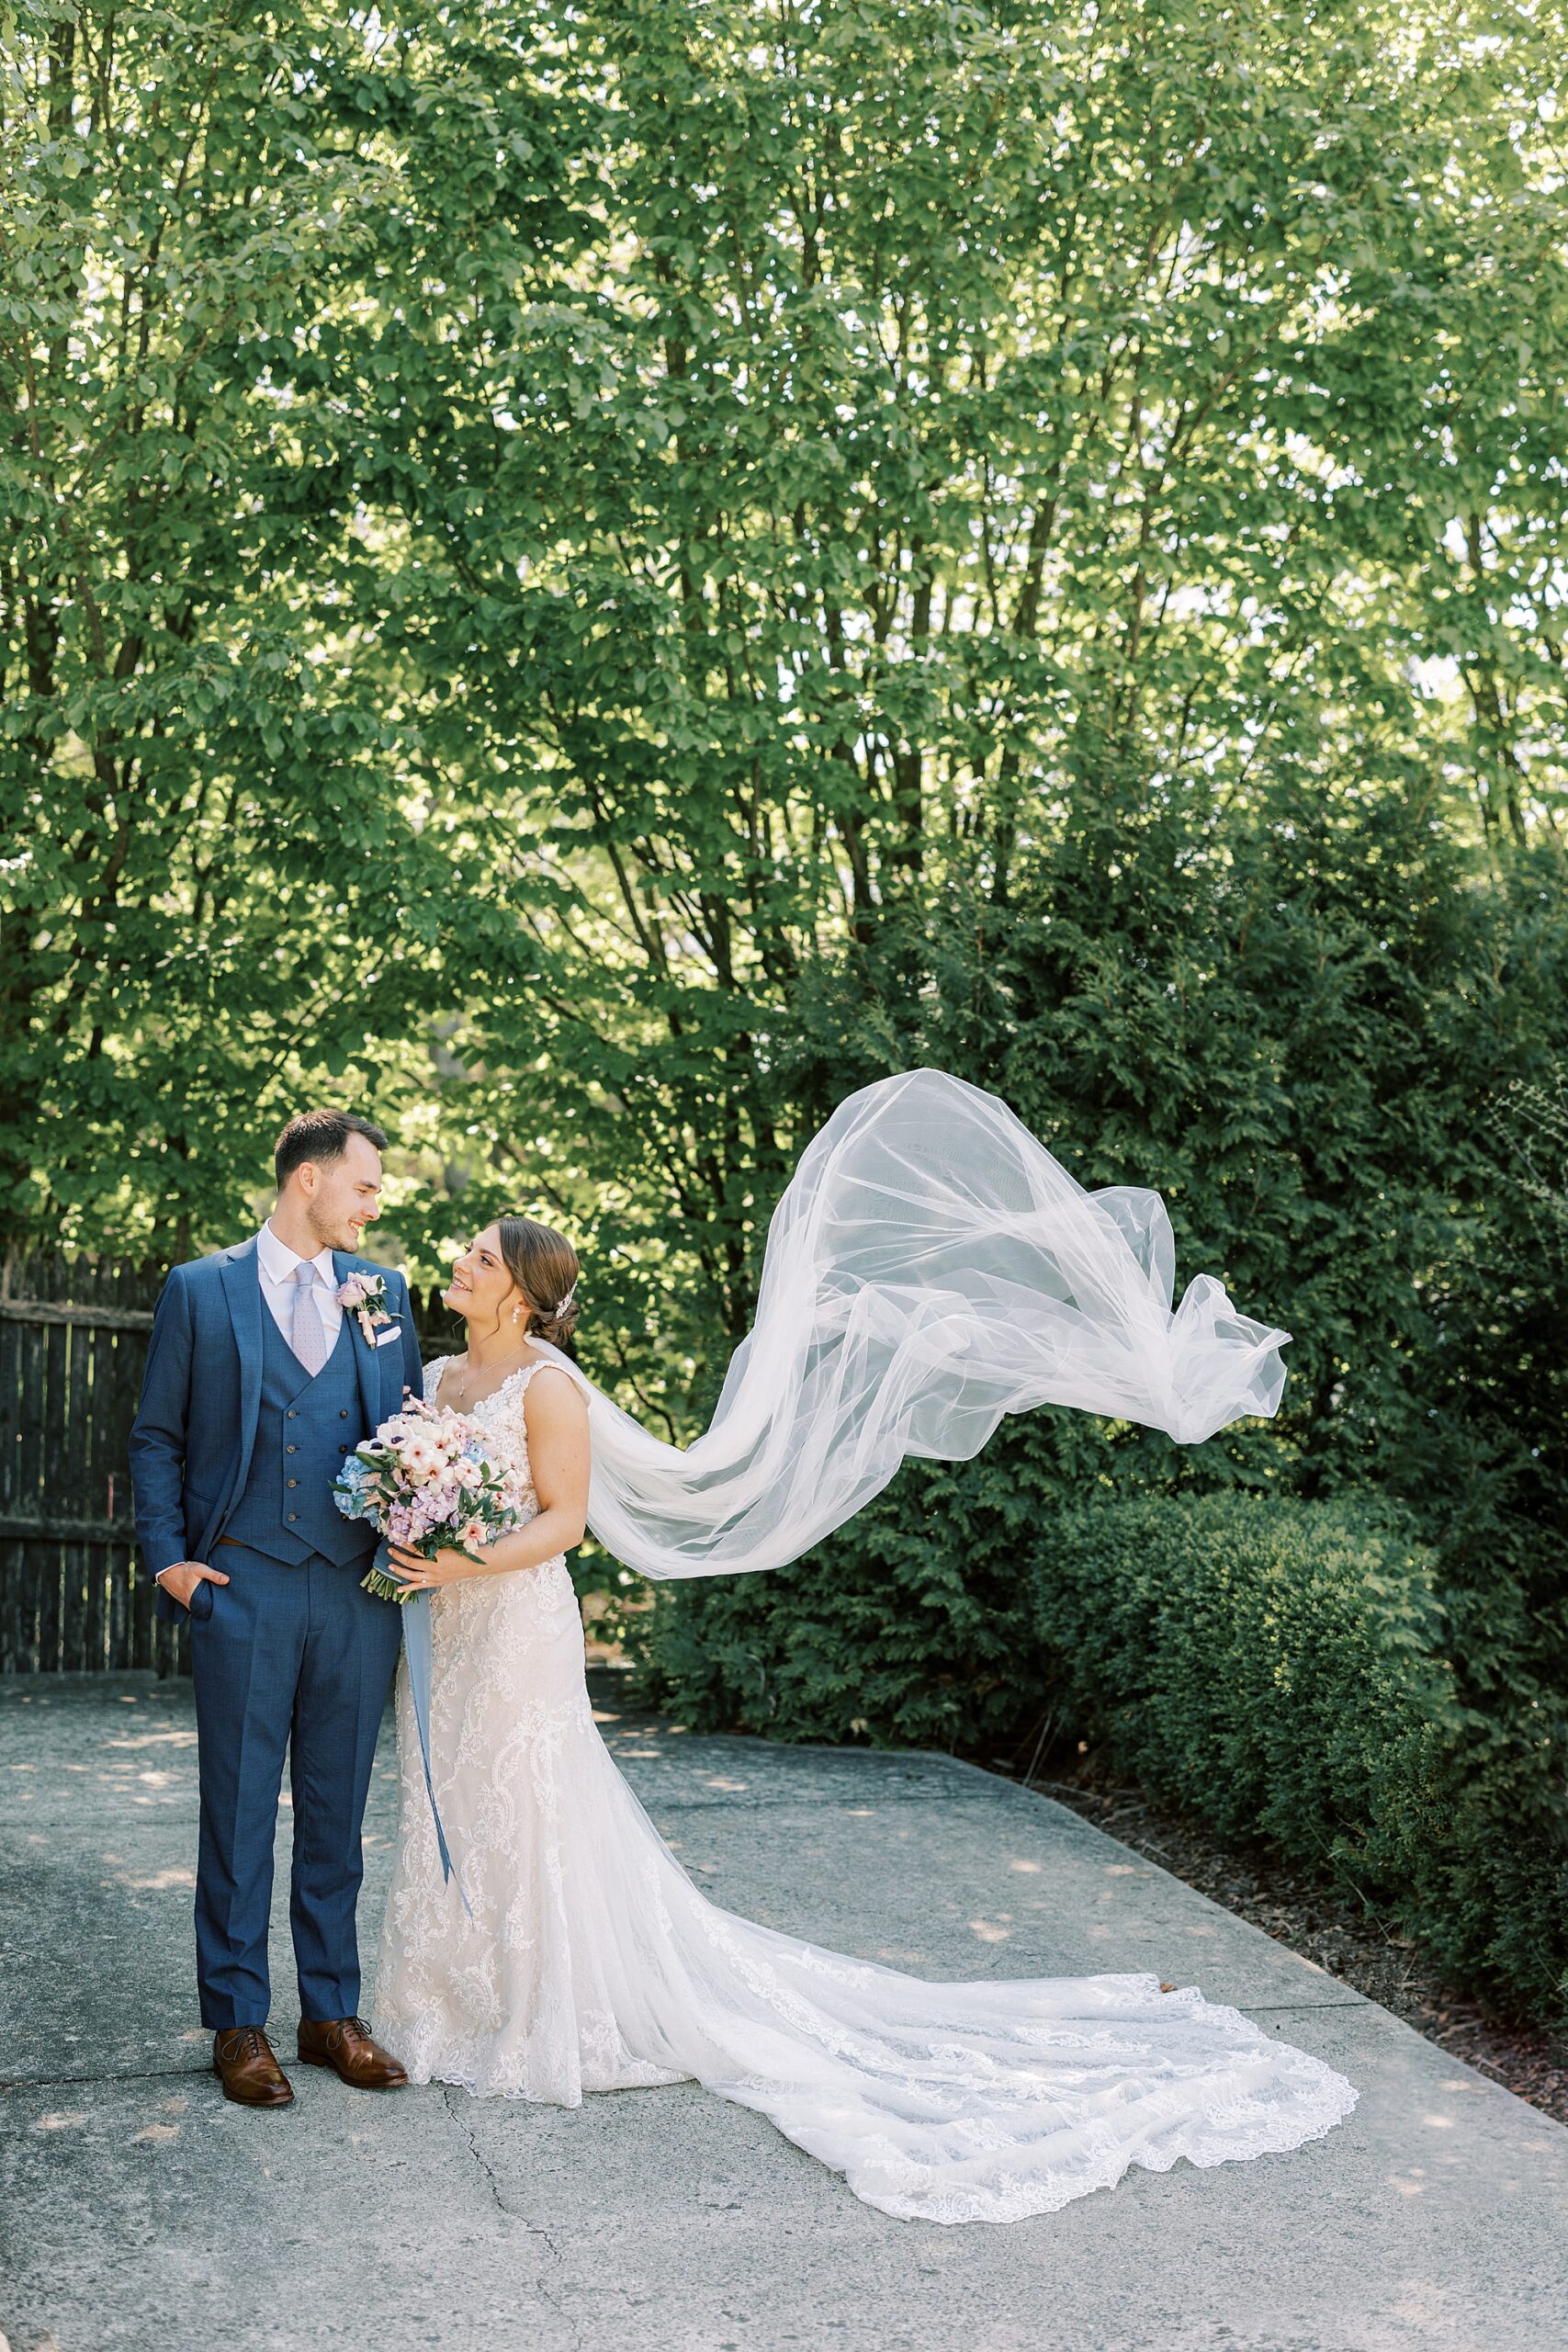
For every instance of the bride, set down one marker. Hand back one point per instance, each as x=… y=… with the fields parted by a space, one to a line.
x=929 y=1268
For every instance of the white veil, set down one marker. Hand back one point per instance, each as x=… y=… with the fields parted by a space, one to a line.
x=929 y=1268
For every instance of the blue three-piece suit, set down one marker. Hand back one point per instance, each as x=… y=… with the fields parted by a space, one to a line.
x=237 y=1444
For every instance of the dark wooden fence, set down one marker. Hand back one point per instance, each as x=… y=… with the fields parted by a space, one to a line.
x=74 y=1595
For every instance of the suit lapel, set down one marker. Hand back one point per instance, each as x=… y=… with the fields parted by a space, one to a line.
x=365 y=1371
x=241 y=1289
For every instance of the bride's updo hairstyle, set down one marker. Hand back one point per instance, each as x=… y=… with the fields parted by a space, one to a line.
x=543 y=1265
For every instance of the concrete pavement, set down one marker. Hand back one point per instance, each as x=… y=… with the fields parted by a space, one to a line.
x=139 y=2210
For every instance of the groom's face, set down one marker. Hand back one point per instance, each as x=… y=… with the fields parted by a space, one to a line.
x=343 y=1196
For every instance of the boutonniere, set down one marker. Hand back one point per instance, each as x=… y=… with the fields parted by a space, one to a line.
x=365 y=1297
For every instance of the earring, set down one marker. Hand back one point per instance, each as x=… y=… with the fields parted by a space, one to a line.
x=516 y=1313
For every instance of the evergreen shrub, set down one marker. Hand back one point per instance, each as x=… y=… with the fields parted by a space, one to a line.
x=1282 y=1671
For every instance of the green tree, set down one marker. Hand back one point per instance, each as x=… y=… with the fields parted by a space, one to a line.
x=952 y=435
x=218 y=893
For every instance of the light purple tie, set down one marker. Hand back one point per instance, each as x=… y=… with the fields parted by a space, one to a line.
x=307 y=1339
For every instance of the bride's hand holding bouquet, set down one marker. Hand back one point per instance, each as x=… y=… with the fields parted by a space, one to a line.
x=426 y=1572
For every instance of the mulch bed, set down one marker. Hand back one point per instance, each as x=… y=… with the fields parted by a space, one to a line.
x=1326 y=1925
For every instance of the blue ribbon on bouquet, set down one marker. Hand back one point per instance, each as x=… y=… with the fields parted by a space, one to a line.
x=415 y=1611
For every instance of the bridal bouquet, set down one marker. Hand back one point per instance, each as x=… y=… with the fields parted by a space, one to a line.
x=426 y=1479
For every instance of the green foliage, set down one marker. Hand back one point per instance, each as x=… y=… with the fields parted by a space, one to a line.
x=959 y=435
x=907 y=1629
x=218 y=892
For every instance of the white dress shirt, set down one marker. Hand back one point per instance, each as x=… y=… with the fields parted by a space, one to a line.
x=276 y=1263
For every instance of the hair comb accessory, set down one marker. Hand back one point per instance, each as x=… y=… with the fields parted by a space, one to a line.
x=565 y=1302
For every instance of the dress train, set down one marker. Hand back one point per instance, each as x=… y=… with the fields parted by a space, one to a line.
x=593 y=1963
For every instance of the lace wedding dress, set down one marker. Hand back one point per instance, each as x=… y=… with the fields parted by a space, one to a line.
x=592 y=1962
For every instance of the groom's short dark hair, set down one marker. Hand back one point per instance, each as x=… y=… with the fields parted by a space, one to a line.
x=320 y=1136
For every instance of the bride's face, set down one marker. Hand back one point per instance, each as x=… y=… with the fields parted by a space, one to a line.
x=481 y=1287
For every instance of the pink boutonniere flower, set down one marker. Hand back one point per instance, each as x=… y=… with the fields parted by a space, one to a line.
x=365 y=1297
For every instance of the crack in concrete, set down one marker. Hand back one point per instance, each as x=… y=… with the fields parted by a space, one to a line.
x=138 y=2074
x=568 y=2318
x=542 y=2288
x=449 y=2091
x=449 y=2094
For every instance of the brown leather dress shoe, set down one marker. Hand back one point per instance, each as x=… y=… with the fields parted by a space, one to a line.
x=251 y=2076
x=345 y=2044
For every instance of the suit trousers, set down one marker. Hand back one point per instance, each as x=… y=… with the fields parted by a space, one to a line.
x=295 y=1660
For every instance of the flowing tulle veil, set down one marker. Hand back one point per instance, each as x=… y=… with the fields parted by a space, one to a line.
x=929 y=1268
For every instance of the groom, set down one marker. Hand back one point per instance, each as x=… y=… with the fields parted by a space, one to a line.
x=260 y=1377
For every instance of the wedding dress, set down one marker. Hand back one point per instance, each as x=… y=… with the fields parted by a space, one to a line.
x=588 y=1960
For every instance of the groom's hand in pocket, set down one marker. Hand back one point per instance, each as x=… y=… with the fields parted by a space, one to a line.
x=182 y=1579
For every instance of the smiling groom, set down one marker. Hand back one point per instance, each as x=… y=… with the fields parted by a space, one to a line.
x=268 y=1363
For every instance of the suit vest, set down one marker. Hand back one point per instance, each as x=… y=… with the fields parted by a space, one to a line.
x=306 y=1426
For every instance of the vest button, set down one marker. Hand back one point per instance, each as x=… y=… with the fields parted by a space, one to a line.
x=292 y=1415
x=293 y=1514
x=291 y=1449
x=293 y=1482
x=343 y=1412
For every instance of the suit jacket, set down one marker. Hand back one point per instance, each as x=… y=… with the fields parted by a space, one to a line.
x=196 y=1425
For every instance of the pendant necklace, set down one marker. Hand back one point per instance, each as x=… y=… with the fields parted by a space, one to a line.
x=462 y=1385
